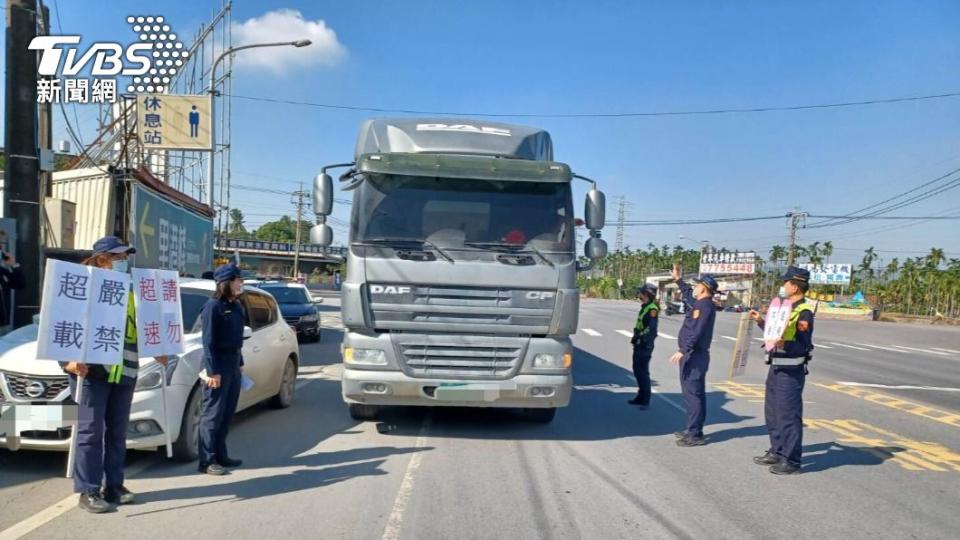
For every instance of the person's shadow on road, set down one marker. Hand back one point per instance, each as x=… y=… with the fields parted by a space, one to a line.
x=832 y=455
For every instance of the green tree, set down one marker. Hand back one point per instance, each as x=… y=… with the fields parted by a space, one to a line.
x=237 y=227
x=282 y=230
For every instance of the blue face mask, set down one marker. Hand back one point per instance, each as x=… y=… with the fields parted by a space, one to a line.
x=119 y=266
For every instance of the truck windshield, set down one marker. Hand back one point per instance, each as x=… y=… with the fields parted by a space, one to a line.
x=454 y=212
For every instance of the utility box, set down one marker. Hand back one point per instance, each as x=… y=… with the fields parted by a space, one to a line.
x=61 y=223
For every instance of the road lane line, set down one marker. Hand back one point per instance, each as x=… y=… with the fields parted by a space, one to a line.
x=849 y=346
x=922 y=350
x=56 y=510
x=821 y=346
x=729 y=337
x=882 y=347
x=900 y=386
x=394 y=523
x=942 y=416
x=669 y=401
x=666 y=336
x=945 y=350
x=758 y=339
x=591 y=332
x=625 y=333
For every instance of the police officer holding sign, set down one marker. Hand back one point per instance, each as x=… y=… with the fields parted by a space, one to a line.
x=694 y=340
x=644 y=334
x=222 y=320
x=783 y=404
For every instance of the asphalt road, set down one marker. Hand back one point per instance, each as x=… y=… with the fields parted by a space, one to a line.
x=882 y=456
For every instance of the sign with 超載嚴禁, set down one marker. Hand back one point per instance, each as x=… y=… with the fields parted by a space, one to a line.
x=159 y=319
x=174 y=122
x=829 y=274
x=83 y=315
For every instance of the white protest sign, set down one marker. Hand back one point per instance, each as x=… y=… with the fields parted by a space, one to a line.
x=159 y=318
x=778 y=317
x=83 y=315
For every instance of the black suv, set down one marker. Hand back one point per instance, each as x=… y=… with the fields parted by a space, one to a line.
x=298 y=308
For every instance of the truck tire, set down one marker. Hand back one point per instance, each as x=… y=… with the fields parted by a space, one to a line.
x=186 y=448
x=542 y=416
x=288 y=386
x=363 y=412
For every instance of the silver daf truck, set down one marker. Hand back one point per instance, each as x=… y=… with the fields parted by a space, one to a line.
x=460 y=287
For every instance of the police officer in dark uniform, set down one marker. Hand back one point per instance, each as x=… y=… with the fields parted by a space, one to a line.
x=783 y=404
x=644 y=334
x=694 y=354
x=222 y=319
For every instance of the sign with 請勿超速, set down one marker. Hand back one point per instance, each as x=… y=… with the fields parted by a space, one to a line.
x=159 y=319
x=174 y=122
x=83 y=315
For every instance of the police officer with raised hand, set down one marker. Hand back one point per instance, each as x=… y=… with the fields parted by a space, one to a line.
x=103 y=411
x=222 y=320
x=783 y=402
x=694 y=340
x=644 y=334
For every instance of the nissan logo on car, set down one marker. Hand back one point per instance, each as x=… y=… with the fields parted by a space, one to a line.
x=35 y=389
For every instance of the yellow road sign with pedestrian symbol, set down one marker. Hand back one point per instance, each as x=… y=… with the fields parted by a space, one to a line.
x=174 y=122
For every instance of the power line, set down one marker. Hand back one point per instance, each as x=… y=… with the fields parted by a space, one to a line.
x=880 y=101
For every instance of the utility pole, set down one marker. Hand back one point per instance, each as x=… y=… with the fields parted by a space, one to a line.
x=299 y=200
x=21 y=194
x=795 y=219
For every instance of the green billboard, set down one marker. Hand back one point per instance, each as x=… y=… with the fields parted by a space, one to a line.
x=169 y=236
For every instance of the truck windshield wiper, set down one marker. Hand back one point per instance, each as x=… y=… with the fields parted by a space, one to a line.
x=512 y=248
x=385 y=240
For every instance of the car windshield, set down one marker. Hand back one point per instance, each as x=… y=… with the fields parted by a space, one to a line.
x=191 y=303
x=288 y=295
x=454 y=212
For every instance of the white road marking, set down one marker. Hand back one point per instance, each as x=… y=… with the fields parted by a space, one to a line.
x=821 y=346
x=945 y=350
x=901 y=386
x=392 y=529
x=666 y=336
x=758 y=339
x=625 y=333
x=882 y=347
x=591 y=332
x=849 y=346
x=729 y=337
x=56 y=510
x=922 y=350
x=671 y=402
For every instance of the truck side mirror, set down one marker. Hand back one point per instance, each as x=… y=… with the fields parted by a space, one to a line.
x=595 y=248
x=594 y=211
x=323 y=194
x=321 y=235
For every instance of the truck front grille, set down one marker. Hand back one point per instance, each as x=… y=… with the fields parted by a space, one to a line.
x=438 y=356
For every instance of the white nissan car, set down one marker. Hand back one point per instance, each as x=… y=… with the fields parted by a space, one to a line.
x=271 y=358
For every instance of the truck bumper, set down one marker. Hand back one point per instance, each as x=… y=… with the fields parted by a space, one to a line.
x=396 y=388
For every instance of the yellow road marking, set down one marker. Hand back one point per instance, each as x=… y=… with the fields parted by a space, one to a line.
x=938 y=415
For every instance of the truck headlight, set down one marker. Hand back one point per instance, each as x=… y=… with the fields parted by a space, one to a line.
x=150 y=378
x=367 y=357
x=309 y=318
x=552 y=361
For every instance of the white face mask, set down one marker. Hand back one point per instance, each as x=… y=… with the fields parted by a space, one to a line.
x=783 y=292
x=120 y=266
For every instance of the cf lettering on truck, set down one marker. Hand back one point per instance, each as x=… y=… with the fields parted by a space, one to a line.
x=461 y=268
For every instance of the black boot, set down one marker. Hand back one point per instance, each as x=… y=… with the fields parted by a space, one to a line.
x=118 y=495
x=785 y=468
x=768 y=458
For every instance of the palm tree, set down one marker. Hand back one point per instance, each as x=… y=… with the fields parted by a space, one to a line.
x=827 y=250
x=777 y=254
x=813 y=254
x=237 y=226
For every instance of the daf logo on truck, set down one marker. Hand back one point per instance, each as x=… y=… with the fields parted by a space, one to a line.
x=464 y=128
x=388 y=289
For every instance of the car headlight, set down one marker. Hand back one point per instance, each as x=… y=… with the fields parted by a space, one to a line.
x=552 y=361
x=368 y=357
x=309 y=318
x=150 y=378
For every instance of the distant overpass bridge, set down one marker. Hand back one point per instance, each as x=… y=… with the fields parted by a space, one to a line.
x=277 y=257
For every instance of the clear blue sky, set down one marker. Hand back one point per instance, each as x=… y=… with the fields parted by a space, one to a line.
x=600 y=56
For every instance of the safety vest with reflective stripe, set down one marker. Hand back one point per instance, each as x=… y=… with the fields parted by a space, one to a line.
x=130 y=361
x=640 y=326
x=790 y=334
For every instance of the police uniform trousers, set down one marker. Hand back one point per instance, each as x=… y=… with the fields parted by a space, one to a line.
x=101 y=432
x=641 y=370
x=693 y=372
x=219 y=404
x=783 y=411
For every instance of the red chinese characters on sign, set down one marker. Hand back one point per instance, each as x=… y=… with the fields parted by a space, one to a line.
x=169 y=288
x=174 y=332
x=148 y=289
x=727 y=268
x=151 y=332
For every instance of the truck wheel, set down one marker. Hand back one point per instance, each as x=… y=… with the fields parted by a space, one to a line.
x=186 y=449
x=363 y=412
x=288 y=386
x=543 y=416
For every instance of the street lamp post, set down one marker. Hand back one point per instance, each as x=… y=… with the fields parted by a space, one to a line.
x=213 y=80
x=703 y=245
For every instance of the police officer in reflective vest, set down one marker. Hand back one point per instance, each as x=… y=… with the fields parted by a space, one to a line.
x=644 y=334
x=694 y=340
x=783 y=405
